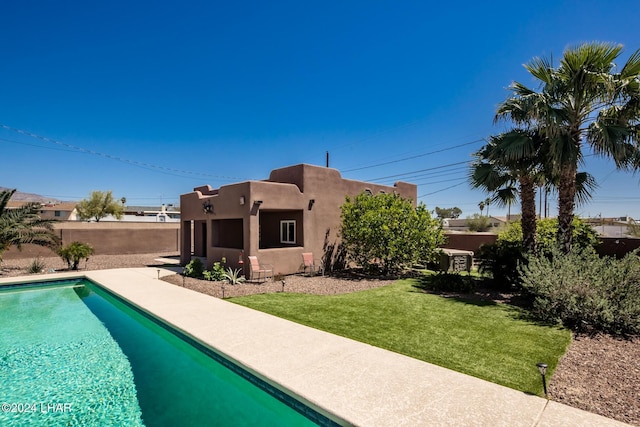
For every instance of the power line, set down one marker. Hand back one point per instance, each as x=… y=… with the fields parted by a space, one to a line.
x=438 y=182
x=11 y=141
x=444 y=189
x=414 y=157
x=143 y=165
x=420 y=170
x=437 y=174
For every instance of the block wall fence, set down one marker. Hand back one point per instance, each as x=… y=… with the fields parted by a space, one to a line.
x=110 y=238
x=119 y=238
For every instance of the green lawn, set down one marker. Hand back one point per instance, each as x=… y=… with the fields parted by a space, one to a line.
x=490 y=341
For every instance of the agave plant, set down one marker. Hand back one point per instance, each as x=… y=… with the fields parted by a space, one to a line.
x=233 y=276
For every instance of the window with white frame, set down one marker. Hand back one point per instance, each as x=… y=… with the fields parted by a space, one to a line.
x=288 y=231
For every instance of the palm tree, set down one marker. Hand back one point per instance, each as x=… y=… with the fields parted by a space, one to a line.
x=487 y=203
x=23 y=225
x=507 y=161
x=583 y=101
x=481 y=206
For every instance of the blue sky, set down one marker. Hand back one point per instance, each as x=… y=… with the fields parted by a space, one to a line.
x=150 y=99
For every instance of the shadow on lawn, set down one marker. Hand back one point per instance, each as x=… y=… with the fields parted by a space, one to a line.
x=477 y=291
x=469 y=289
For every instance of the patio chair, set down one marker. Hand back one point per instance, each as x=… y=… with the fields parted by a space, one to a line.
x=311 y=265
x=259 y=272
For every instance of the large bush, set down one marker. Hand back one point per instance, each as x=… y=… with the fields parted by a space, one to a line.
x=584 y=291
x=584 y=235
x=385 y=233
x=501 y=259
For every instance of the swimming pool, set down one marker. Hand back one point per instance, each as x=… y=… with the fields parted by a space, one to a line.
x=71 y=353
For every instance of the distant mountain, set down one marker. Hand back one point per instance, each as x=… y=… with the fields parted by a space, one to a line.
x=29 y=197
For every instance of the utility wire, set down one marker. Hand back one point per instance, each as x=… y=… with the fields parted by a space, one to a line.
x=420 y=170
x=436 y=174
x=444 y=189
x=414 y=157
x=116 y=158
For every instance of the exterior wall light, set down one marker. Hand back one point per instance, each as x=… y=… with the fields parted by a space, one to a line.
x=257 y=202
x=207 y=207
x=242 y=200
x=311 y=203
x=542 y=367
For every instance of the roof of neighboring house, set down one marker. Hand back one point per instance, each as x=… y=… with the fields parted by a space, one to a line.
x=135 y=209
x=64 y=206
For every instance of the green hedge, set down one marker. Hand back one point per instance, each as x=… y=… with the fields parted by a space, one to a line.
x=584 y=291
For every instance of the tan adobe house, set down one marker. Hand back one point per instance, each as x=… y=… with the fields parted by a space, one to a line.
x=62 y=211
x=296 y=210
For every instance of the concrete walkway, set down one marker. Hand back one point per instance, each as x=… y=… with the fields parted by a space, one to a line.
x=351 y=382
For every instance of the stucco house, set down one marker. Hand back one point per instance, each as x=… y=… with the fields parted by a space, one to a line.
x=296 y=210
x=62 y=211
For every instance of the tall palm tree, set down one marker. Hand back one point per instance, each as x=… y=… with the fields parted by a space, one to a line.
x=507 y=161
x=23 y=225
x=584 y=101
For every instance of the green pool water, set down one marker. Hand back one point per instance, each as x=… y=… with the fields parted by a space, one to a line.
x=77 y=356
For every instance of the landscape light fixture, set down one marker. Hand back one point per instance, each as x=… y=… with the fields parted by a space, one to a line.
x=222 y=290
x=542 y=367
x=283 y=283
x=158 y=274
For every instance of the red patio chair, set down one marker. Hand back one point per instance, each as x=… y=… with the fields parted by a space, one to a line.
x=311 y=265
x=259 y=272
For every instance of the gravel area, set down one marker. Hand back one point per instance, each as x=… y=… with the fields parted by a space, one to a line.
x=319 y=285
x=600 y=374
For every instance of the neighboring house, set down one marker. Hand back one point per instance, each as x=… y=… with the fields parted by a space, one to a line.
x=612 y=227
x=296 y=210
x=164 y=213
x=460 y=224
x=63 y=211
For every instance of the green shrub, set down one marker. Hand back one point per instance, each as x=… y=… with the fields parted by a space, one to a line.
x=194 y=268
x=448 y=282
x=477 y=222
x=584 y=291
x=217 y=272
x=385 y=233
x=502 y=259
x=233 y=276
x=584 y=235
x=36 y=266
x=74 y=252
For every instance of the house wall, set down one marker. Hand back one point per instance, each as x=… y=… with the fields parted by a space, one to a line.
x=109 y=238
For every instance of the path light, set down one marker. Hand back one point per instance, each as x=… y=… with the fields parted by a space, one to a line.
x=283 y=283
x=158 y=274
x=542 y=367
x=184 y=278
x=222 y=290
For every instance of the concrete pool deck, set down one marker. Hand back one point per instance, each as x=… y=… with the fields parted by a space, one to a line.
x=351 y=382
